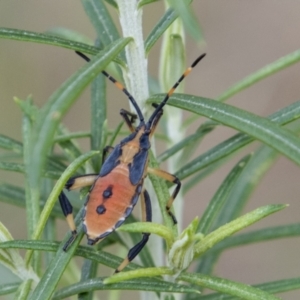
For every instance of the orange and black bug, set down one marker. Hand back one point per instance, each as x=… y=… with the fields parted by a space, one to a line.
x=119 y=184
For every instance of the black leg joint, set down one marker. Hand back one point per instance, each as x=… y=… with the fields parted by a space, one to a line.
x=69 y=183
x=148 y=206
x=133 y=252
x=65 y=204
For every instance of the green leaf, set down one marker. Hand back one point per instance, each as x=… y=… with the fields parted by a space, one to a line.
x=24 y=290
x=101 y=20
x=139 y=273
x=69 y=147
x=264 y=72
x=260 y=128
x=189 y=184
x=55 y=193
x=220 y=197
x=11 y=258
x=145 y=2
x=186 y=143
x=112 y=3
x=46 y=286
x=69 y=34
x=98 y=119
x=15 y=195
x=283 y=116
x=273 y=287
x=163 y=195
x=100 y=257
x=10 y=144
x=72 y=135
x=137 y=285
x=161 y=26
x=9 y=288
x=261 y=235
x=88 y=271
x=188 y=17
x=149 y=227
x=230 y=228
x=242 y=291
x=251 y=176
x=30 y=36
x=15 y=167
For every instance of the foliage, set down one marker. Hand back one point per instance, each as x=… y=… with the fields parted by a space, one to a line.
x=46 y=172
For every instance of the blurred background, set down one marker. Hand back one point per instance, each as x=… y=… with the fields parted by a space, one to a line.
x=241 y=37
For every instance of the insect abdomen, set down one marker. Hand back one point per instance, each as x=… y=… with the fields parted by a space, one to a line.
x=110 y=201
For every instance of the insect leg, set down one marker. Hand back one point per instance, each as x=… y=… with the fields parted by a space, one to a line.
x=146 y=216
x=155 y=122
x=80 y=181
x=129 y=118
x=68 y=213
x=171 y=178
x=66 y=206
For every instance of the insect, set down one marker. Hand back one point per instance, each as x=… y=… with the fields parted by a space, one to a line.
x=116 y=189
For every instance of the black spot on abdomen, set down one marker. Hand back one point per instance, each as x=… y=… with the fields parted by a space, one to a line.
x=101 y=209
x=107 y=193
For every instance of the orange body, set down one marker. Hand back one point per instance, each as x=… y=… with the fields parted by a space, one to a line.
x=112 y=197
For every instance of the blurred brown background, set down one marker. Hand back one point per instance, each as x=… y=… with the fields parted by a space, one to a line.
x=241 y=37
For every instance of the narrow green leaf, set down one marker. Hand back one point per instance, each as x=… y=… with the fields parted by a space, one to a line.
x=69 y=34
x=15 y=195
x=12 y=259
x=30 y=36
x=139 y=273
x=189 y=184
x=264 y=72
x=101 y=20
x=10 y=166
x=55 y=193
x=145 y=2
x=137 y=285
x=69 y=147
x=251 y=176
x=91 y=253
x=220 y=197
x=230 y=228
x=242 y=291
x=161 y=26
x=260 y=128
x=98 y=118
x=163 y=195
x=72 y=135
x=261 y=235
x=282 y=117
x=186 y=143
x=15 y=167
x=10 y=144
x=274 y=287
x=88 y=271
x=149 y=227
x=112 y=3
x=9 y=288
x=24 y=290
x=188 y=17
x=47 y=285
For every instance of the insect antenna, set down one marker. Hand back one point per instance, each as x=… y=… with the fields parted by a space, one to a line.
x=171 y=91
x=119 y=86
